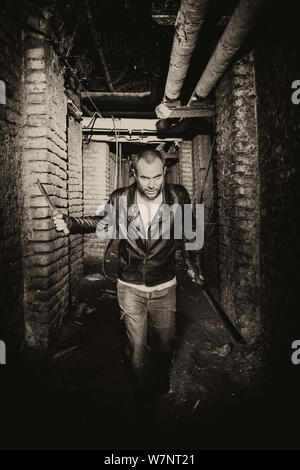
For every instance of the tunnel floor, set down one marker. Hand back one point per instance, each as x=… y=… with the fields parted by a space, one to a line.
x=79 y=393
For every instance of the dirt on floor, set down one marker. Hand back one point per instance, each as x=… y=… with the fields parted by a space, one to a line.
x=79 y=393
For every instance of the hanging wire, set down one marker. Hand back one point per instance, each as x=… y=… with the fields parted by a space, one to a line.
x=117 y=154
x=66 y=63
x=90 y=126
x=120 y=164
x=97 y=114
x=209 y=226
x=63 y=59
x=72 y=40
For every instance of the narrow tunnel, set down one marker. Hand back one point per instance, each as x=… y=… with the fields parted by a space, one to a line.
x=86 y=88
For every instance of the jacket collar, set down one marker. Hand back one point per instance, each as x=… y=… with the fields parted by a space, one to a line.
x=167 y=194
x=131 y=194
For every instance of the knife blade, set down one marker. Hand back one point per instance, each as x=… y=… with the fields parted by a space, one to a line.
x=54 y=210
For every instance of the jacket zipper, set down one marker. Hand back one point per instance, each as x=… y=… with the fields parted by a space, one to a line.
x=144 y=263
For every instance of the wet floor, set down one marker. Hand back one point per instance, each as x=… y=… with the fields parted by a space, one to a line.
x=79 y=394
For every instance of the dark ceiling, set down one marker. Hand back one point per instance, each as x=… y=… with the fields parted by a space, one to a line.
x=124 y=46
x=135 y=37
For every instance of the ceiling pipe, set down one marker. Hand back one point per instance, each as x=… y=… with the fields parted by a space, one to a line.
x=133 y=126
x=129 y=114
x=241 y=23
x=125 y=104
x=190 y=17
x=116 y=101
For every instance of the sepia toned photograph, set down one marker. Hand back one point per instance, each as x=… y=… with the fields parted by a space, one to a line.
x=149 y=244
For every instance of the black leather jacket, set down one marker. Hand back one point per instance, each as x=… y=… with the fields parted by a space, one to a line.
x=143 y=261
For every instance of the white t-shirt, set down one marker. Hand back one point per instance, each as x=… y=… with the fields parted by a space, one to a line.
x=148 y=210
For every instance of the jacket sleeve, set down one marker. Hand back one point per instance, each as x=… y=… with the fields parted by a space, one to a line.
x=86 y=224
x=90 y=223
x=191 y=257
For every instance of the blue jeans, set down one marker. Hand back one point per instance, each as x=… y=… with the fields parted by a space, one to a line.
x=149 y=319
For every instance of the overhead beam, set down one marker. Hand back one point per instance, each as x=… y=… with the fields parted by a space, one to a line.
x=164 y=20
x=170 y=111
x=121 y=101
x=134 y=139
x=114 y=94
x=128 y=114
x=131 y=130
x=192 y=112
x=129 y=125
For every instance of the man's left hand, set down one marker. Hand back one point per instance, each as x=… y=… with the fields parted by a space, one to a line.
x=197 y=278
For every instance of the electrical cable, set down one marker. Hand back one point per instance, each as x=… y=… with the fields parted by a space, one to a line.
x=55 y=45
x=117 y=154
x=120 y=164
x=90 y=126
x=66 y=63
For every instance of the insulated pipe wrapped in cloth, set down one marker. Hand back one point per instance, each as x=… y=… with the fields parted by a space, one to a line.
x=190 y=18
x=239 y=26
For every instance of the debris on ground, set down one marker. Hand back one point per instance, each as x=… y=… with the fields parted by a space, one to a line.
x=223 y=351
x=207 y=374
x=63 y=353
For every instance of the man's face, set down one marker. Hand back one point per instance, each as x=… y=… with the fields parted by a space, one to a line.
x=150 y=177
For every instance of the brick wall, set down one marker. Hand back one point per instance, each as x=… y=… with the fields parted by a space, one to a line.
x=11 y=147
x=75 y=199
x=238 y=195
x=201 y=151
x=186 y=166
x=203 y=177
x=96 y=183
x=46 y=252
x=35 y=259
x=172 y=175
x=125 y=173
x=277 y=59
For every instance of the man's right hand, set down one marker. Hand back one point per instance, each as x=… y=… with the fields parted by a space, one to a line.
x=60 y=223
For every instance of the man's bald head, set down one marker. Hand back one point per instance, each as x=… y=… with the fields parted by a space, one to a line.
x=149 y=156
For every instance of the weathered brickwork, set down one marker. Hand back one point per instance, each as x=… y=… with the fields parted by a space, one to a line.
x=96 y=164
x=172 y=175
x=238 y=196
x=277 y=66
x=203 y=180
x=186 y=166
x=46 y=262
x=201 y=151
x=11 y=147
x=125 y=173
x=75 y=199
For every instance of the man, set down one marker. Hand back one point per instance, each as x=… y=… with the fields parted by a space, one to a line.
x=146 y=280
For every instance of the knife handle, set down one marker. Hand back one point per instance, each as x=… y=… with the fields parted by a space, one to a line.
x=54 y=214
